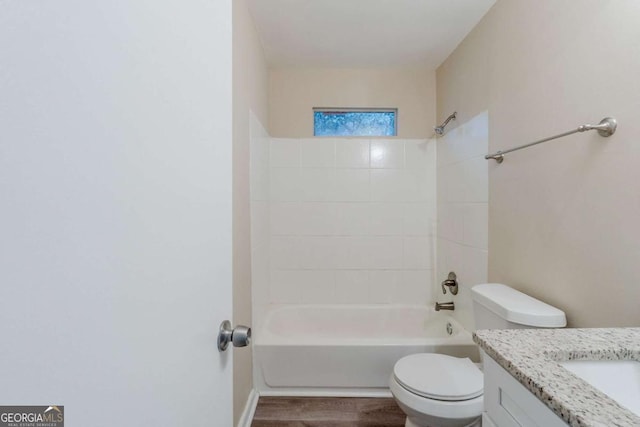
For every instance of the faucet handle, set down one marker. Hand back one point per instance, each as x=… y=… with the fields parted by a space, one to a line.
x=452 y=283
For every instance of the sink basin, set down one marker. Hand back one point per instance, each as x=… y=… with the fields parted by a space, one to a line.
x=618 y=379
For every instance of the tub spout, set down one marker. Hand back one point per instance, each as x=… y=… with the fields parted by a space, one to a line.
x=444 y=306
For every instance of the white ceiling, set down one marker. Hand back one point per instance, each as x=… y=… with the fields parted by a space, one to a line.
x=364 y=33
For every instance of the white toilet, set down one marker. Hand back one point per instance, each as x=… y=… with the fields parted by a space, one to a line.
x=436 y=390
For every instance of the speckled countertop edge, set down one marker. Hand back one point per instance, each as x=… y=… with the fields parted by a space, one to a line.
x=531 y=356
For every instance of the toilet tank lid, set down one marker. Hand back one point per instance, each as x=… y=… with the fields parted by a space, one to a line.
x=516 y=307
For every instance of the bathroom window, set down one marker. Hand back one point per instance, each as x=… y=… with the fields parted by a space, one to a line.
x=355 y=122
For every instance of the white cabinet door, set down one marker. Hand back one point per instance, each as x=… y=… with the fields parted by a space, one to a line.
x=115 y=209
x=509 y=404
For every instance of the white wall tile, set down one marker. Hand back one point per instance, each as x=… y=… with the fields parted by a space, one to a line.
x=446 y=147
x=287 y=252
x=441 y=269
x=467 y=181
x=260 y=233
x=285 y=184
x=285 y=152
x=419 y=154
x=477 y=170
x=260 y=183
x=462 y=195
x=352 y=286
x=318 y=252
x=464 y=307
x=334 y=238
x=474 y=268
x=419 y=186
x=418 y=219
x=317 y=153
x=316 y=184
x=387 y=154
x=352 y=253
x=389 y=185
x=262 y=265
x=352 y=219
x=285 y=218
x=317 y=287
x=351 y=185
x=352 y=153
x=386 y=219
x=396 y=185
x=464 y=142
x=450 y=221
x=385 y=252
x=449 y=258
x=285 y=286
x=418 y=252
x=415 y=287
x=383 y=285
x=476 y=225
x=317 y=219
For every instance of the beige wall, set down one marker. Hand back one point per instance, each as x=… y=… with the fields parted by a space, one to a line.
x=293 y=92
x=250 y=79
x=565 y=216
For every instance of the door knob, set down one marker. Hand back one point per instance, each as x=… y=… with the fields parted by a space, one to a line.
x=240 y=336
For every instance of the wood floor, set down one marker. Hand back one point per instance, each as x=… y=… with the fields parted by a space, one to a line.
x=327 y=412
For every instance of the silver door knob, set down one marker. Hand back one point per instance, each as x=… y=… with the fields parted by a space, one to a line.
x=240 y=336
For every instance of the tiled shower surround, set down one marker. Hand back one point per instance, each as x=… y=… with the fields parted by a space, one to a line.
x=463 y=211
x=351 y=220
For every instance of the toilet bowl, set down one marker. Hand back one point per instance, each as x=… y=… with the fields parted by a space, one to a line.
x=436 y=390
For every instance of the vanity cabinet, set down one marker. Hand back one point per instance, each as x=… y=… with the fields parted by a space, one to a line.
x=507 y=403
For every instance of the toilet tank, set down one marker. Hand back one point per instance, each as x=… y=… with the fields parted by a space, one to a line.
x=497 y=306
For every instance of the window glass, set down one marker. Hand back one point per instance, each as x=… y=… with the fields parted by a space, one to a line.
x=337 y=122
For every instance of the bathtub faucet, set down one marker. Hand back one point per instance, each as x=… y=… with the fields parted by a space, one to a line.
x=451 y=283
x=444 y=306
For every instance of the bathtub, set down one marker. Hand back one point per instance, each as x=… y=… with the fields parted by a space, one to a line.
x=349 y=349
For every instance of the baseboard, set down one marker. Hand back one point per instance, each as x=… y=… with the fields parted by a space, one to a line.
x=249 y=409
x=325 y=392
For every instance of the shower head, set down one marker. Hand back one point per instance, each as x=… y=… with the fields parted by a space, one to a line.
x=440 y=129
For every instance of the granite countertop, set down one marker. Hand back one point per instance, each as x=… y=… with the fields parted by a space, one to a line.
x=531 y=356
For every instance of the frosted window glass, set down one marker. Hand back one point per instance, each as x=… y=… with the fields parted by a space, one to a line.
x=354 y=123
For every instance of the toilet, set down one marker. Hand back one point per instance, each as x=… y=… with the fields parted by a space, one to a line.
x=436 y=390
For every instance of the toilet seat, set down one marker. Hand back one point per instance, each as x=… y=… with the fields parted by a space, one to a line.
x=439 y=377
x=418 y=407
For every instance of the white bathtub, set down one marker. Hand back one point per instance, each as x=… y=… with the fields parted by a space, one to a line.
x=345 y=350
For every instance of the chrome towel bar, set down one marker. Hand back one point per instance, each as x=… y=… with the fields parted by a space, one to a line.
x=606 y=127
